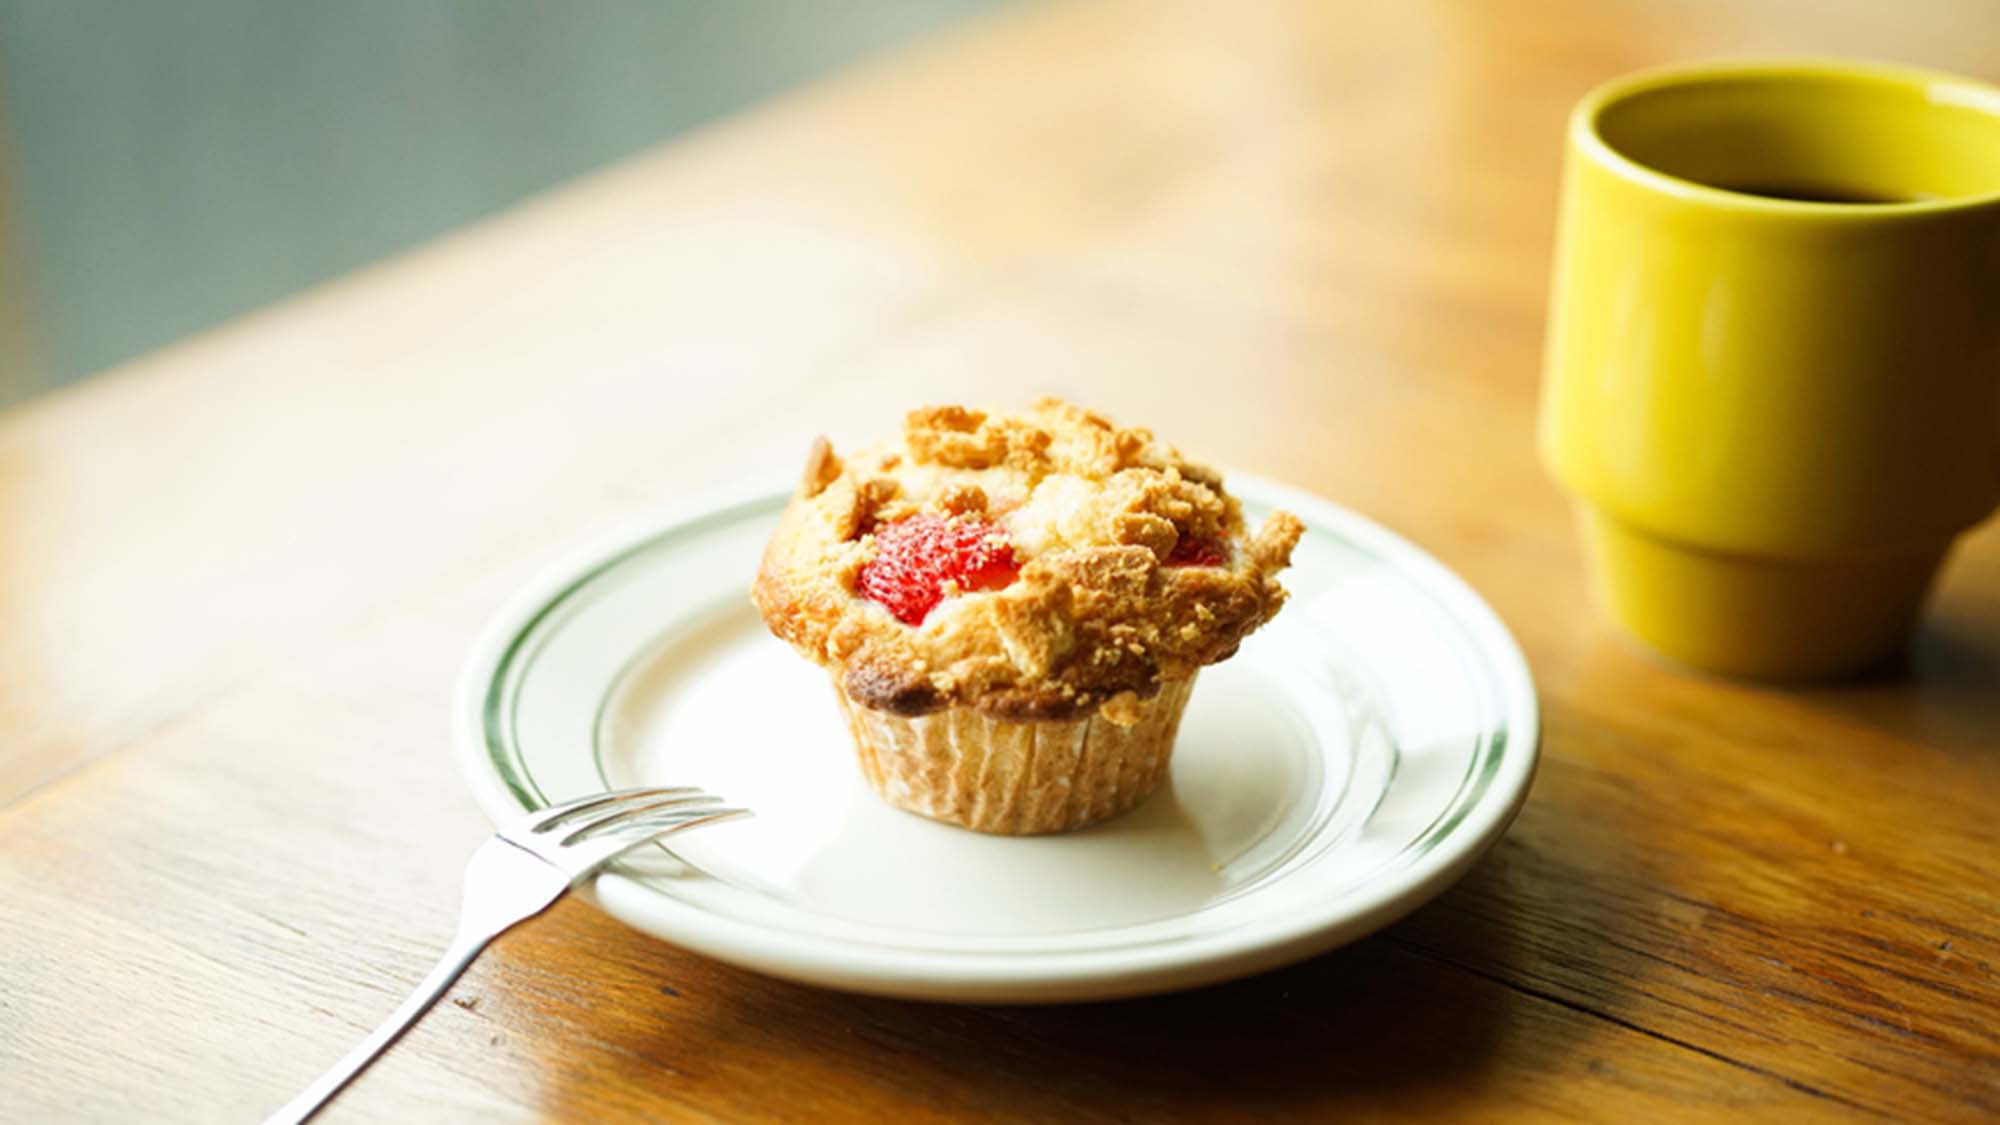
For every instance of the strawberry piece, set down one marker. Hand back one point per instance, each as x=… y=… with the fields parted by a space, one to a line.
x=1190 y=551
x=917 y=557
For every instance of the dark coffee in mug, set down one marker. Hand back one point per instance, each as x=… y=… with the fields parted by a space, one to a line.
x=1817 y=191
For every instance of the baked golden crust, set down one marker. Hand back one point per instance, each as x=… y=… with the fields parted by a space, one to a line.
x=1097 y=618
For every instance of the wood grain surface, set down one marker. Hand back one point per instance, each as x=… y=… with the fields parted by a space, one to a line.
x=1310 y=240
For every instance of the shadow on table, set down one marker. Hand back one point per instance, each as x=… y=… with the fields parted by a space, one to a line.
x=1943 y=690
x=1418 y=1014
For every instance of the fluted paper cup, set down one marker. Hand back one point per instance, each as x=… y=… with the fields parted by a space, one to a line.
x=1016 y=777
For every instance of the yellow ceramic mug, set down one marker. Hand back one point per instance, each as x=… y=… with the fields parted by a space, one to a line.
x=1773 y=371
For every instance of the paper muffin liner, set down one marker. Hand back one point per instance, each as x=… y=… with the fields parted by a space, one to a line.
x=1015 y=777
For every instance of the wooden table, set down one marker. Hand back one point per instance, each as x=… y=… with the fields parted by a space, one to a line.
x=1310 y=240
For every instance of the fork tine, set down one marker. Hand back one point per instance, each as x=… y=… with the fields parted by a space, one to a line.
x=651 y=827
x=599 y=850
x=591 y=802
x=628 y=812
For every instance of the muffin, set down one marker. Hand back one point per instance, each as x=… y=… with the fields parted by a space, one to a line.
x=1013 y=607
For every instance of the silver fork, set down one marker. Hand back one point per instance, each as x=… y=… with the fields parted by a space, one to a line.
x=514 y=876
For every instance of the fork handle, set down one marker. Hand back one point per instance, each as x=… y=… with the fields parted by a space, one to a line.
x=464 y=948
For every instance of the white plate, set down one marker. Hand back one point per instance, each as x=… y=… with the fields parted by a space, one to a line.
x=1350 y=762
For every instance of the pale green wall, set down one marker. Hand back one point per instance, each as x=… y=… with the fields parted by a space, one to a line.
x=177 y=163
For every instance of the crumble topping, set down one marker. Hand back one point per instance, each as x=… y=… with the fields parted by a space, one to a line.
x=1134 y=565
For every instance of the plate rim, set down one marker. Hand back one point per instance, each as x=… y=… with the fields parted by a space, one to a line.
x=970 y=976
